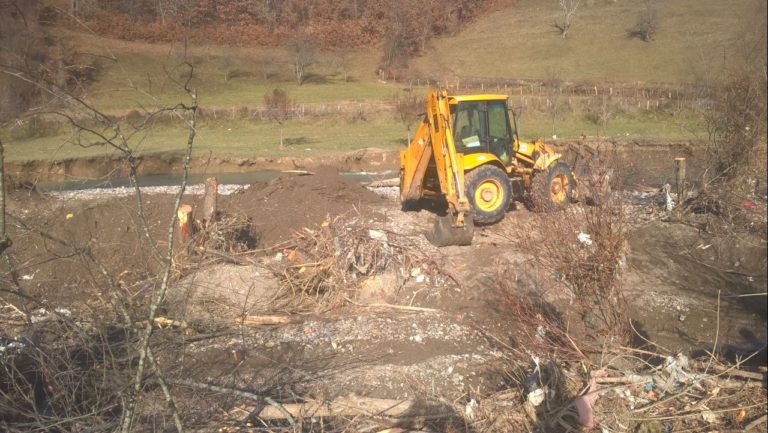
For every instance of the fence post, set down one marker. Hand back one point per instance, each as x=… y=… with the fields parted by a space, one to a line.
x=680 y=178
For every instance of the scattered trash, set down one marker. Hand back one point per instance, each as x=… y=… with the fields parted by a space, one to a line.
x=584 y=239
x=585 y=402
x=669 y=203
x=469 y=409
x=741 y=415
x=710 y=417
x=377 y=235
x=748 y=204
x=536 y=397
x=70 y=216
x=7 y=346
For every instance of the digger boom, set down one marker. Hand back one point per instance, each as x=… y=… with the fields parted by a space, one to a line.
x=434 y=140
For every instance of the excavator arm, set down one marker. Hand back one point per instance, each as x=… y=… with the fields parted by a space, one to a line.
x=433 y=142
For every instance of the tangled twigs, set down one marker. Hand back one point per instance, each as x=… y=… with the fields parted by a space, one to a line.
x=235 y=392
x=326 y=263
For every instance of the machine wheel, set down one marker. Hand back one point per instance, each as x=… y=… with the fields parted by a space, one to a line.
x=488 y=192
x=552 y=190
x=444 y=233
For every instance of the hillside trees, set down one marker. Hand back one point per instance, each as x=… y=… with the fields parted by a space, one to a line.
x=646 y=23
x=302 y=50
x=332 y=23
x=568 y=9
x=280 y=108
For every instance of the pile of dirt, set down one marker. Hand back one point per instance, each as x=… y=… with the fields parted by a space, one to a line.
x=292 y=202
x=47 y=254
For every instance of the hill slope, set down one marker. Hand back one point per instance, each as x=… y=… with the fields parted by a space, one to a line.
x=694 y=36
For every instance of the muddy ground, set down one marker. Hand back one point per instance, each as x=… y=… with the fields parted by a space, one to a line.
x=453 y=345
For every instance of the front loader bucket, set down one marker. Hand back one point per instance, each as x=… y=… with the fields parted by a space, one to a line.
x=445 y=232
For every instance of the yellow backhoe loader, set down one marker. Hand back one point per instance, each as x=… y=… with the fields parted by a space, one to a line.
x=467 y=157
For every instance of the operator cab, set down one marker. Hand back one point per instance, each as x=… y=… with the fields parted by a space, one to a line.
x=481 y=125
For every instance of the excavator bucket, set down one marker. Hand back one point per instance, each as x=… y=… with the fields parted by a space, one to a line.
x=445 y=232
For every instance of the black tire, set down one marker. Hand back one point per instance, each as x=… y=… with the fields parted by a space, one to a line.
x=547 y=191
x=488 y=192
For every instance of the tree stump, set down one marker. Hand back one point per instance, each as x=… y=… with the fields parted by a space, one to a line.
x=209 y=200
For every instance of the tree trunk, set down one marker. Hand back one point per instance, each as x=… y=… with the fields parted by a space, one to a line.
x=5 y=242
x=161 y=11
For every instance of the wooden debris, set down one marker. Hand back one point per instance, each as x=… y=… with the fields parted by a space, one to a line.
x=353 y=405
x=164 y=322
x=265 y=320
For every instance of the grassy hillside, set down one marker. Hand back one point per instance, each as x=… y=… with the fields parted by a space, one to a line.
x=225 y=76
x=694 y=37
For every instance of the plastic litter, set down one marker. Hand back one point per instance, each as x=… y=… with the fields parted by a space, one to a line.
x=584 y=239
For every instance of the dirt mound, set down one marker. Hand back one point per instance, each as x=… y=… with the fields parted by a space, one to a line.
x=291 y=202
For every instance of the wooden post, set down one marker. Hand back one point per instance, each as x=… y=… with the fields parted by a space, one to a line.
x=680 y=177
x=209 y=200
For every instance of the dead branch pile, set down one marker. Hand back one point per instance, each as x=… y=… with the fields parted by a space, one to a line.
x=223 y=239
x=723 y=211
x=64 y=374
x=583 y=250
x=542 y=328
x=329 y=262
x=638 y=391
x=229 y=233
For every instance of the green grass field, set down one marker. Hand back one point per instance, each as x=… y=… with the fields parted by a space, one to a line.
x=695 y=40
x=235 y=138
x=335 y=135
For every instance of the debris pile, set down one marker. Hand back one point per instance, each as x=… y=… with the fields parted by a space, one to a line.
x=331 y=262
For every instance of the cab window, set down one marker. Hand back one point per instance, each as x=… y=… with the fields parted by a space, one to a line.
x=500 y=136
x=470 y=127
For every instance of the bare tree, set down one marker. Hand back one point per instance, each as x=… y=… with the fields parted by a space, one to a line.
x=93 y=127
x=341 y=61
x=553 y=83
x=602 y=109
x=5 y=241
x=302 y=49
x=407 y=108
x=226 y=64
x=647 y=22
x=182 y=12
x=568 y=8
x=280 y=107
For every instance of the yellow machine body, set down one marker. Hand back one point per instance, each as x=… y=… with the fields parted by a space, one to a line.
x=467 y=153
